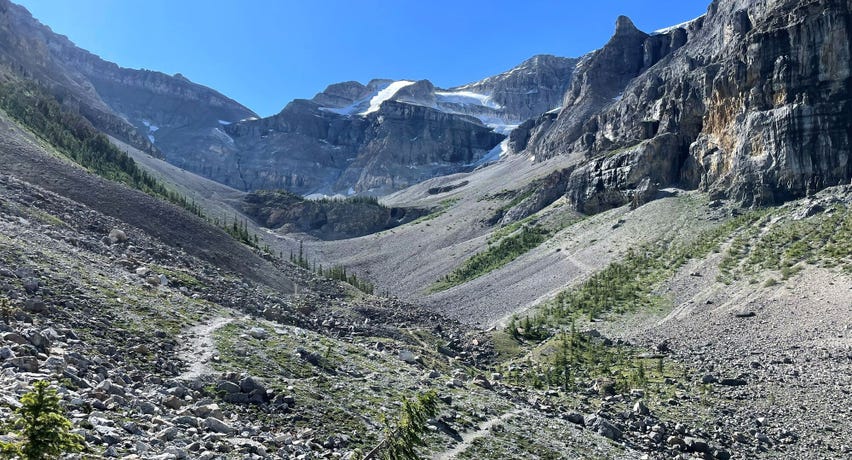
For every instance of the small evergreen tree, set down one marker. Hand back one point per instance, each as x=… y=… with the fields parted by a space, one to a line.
x=402 y=439
x=44 y=430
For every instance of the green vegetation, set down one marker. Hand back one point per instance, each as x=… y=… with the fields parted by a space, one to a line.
x=496 y=256
x=627 y=285
x=370 y=200
x=7 y=311
x=335 y=272
x=403 y=437
x=503 y=232
x=572 y=358
x=238 y=229
x=43 y=429
x=77 y=139
x=824 y=240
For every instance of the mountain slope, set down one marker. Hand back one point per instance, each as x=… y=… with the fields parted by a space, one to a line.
x=28 y=159
x=149 y=110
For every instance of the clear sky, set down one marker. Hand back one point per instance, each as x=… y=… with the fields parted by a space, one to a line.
x=264 y=53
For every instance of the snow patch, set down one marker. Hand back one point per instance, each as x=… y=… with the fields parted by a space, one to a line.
x=151 y=138
x=385 y=94
x=224 y=123
x=466 y=98
x=501 y=128
x=493 y=155
x=677 y=26
x=222 y=135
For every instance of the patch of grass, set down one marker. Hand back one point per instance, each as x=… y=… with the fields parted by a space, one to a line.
x=503 y=232
x=628 y=285
x=824 y=240
x=505 y=345
x=496 y=256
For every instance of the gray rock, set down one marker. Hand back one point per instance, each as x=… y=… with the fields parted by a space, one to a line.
x=31 y=285
x=696 y=444
x=217 y=426
x=640 y=408
x=35 y=305
x=186 y=420
x=574 y=418
x=25 y=363
x=173 y=402
x=250 y=384
x=14 y=337
x=55 y=363
x=6 y=353
x=147 y=408
x=675 y=441
x=117 y=236
x=603 y=427
x=709 y=378
x=258 y=333
x=408 y=357
x=228 y=387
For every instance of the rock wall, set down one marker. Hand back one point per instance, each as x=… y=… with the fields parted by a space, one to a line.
x=308 y=150
x=750 y=101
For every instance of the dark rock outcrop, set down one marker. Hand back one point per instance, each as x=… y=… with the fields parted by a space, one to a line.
x=327 y=219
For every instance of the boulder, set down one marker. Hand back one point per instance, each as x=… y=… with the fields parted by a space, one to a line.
x=217 y=426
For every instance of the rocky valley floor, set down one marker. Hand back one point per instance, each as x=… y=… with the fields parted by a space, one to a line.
x=157 y=354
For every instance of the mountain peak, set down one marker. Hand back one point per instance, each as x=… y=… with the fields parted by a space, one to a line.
x=624 y=25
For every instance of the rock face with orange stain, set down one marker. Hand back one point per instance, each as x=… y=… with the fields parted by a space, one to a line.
x=750 y=101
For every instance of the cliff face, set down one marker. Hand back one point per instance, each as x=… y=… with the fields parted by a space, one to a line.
x=749 y=101
x=309 y=150
x=151 y=110
x=535 y=86
x=385 y=135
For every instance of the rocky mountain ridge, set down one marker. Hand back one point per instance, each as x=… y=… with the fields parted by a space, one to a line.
x=161 y=114
x=385 y=135
x=748 y=101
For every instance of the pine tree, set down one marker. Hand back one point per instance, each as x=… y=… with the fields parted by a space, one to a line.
x=406 y=435
x=44 y=430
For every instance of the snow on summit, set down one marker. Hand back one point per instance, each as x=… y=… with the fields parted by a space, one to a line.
x=385 y=94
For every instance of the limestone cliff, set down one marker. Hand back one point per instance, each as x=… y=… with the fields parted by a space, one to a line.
x=749 y=101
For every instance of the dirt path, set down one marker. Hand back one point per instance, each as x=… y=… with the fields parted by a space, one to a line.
x=198 y=347
x=469 y=438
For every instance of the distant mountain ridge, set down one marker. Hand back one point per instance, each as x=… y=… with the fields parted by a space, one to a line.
x=162 y=114
x=385 y=135
x=350 y=138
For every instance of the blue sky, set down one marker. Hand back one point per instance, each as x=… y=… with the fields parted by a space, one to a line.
x=266 y=53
